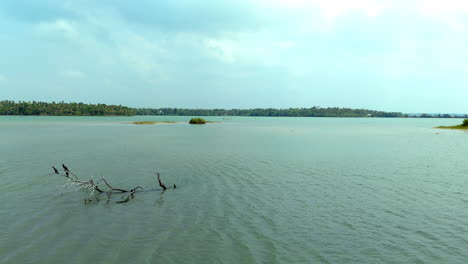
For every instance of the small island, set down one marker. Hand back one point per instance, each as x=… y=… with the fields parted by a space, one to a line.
x=462 y=126
x=197 y=121
x=201 y=121
x=153 y=122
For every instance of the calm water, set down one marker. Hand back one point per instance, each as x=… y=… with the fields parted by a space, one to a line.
x=250 y=190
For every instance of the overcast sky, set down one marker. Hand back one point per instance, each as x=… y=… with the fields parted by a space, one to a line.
x=408 y=56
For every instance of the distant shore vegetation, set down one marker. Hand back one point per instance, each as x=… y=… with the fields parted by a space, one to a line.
x=81 y=109
x=462 y=126
x=291 y=112
x=63 y=109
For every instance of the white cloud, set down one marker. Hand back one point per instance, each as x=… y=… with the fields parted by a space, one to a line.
x=322 y=14
x=142 y=55
x=335 y=8
x=246 y=48
x=138 y=51
x=451 y=12
x=224 y=50
x=447 y=7
x=73 y=74
x=62 y=26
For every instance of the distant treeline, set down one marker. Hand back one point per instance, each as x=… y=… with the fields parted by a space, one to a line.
x=81 y=109
x=296 y=112
x=62 y=109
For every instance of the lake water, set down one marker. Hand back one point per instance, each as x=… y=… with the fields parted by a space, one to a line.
x=249 y=190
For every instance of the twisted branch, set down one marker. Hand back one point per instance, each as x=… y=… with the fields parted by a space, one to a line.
x=160 y=182
x=94 y=186
x=112 y=188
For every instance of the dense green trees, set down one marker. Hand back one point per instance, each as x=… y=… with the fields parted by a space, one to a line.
x=80 y=109
x=299 y=112
x=62 y=109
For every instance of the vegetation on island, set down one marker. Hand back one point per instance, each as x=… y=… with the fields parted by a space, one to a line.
x=197 y=121
x=63 y=109
x=153 y=122
x=462 y=126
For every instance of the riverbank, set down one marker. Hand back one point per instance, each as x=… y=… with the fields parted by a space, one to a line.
x=459 y=127
x=462 y=126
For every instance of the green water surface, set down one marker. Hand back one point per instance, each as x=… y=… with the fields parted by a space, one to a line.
x=249 y=190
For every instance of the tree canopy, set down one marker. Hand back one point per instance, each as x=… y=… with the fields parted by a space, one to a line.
x=62 y=109
x=296 y=112
x=81 y=109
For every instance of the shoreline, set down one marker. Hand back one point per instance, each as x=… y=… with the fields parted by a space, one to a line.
x=459 y=127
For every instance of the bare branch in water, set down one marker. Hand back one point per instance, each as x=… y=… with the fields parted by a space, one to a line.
x=160 y=182
x=94 y=186
x=136 y=188
x=112 y=188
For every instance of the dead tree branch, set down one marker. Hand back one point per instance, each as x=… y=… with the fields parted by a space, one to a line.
x=90 y=184
x=112 y=188
x=160 y=182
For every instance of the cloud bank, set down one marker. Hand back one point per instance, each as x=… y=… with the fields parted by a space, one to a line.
x=387 y=55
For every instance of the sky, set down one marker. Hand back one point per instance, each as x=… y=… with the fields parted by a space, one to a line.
x=392 y=55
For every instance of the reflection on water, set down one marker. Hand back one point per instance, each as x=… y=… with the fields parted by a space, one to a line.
x=249 y=190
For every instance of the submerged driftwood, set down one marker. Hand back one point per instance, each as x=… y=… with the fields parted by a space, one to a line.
x=94 y=185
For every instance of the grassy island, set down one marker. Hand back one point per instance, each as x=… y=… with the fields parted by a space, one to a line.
x=153 y=122
x=462 y=126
